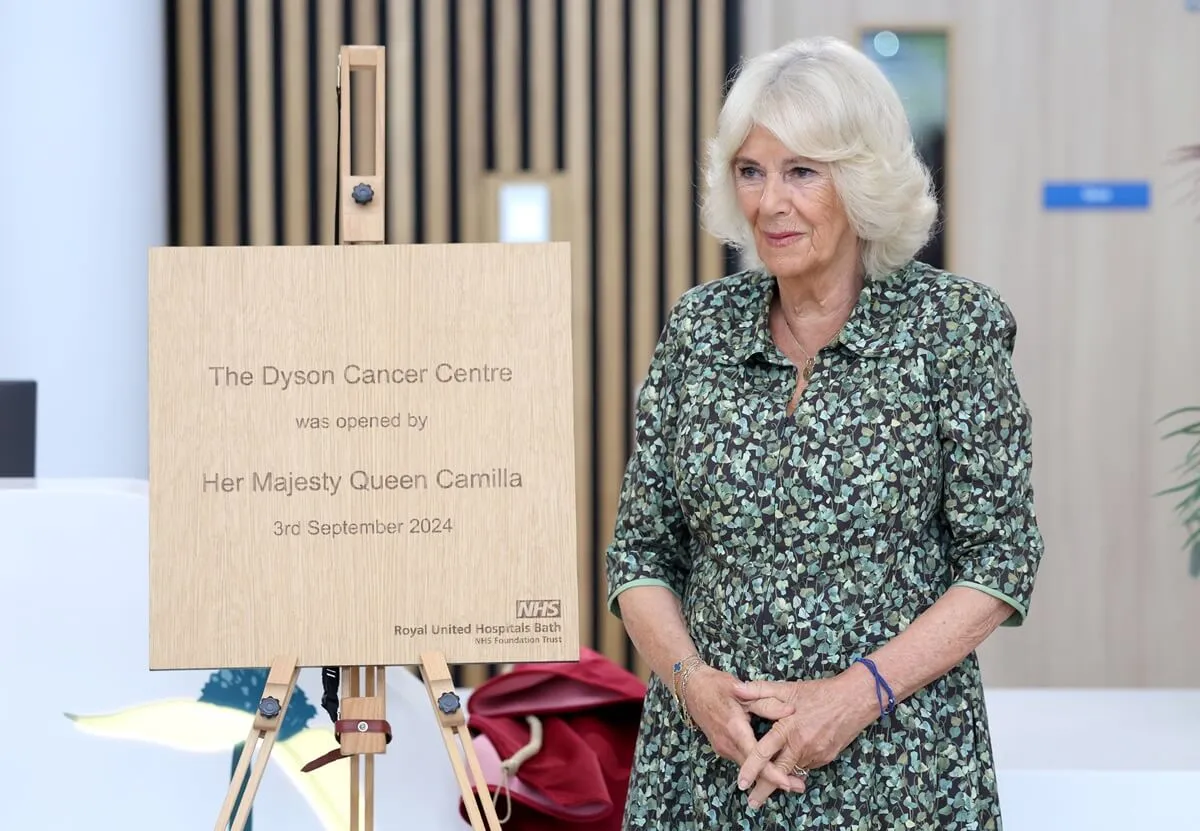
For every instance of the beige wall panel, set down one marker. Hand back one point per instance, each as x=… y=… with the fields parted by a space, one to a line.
x=677 y=139
x=505 y=75
x=401 y=48
x=225 y=126
x=646 y=201
x=579 y=165
x=189 y=115
x=362 y=88
x=330 y=37
x=472 y=77
x=1107 y=303
x=610 y=277
x=259 y=20
x=296 y=184
x=543 y=115
x=712 y=71
x=435 y=124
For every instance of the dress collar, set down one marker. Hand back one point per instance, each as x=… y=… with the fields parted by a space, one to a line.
x=876 y=326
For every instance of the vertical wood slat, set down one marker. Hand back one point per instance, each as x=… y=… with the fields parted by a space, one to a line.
x=505 y=73
x=189 y=106
x=262 y=123
x=330 y=36
x=681 y=171
x=365 y=26
x=436 y=157
x=225 y=123
x=641 y=241
x=401 y=59
x=543 y=82
x=579 y=163
x=609 y=282
x=297 y=188
x=364 y=32
x=470 y=97
x=471 y=123
x=712 y=71
x=646 y=201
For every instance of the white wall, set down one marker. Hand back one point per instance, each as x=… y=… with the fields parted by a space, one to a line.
x=82 y=197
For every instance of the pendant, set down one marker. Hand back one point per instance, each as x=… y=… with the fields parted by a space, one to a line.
x=807 y=371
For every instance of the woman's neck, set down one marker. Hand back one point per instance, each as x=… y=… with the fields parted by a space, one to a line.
x=819 y=301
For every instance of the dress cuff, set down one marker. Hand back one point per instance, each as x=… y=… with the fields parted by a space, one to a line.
x=1019 y=610
x=632 y=584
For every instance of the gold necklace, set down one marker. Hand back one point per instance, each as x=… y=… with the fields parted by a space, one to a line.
x=810 y=362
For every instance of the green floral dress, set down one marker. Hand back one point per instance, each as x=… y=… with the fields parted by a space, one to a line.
x=797 y=543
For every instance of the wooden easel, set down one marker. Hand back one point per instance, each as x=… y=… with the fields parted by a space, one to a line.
x=272 y=707
x=362 y=726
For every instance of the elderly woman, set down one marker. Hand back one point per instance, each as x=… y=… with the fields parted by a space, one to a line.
x=829 y=506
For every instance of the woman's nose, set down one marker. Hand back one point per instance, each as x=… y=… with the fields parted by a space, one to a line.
x=774 y=195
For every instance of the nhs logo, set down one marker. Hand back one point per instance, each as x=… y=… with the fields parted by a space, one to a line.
x=539 y=608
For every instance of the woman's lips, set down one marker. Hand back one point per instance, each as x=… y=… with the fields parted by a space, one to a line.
x=783 y=238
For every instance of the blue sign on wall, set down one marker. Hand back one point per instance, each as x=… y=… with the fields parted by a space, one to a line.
x=1095 y=196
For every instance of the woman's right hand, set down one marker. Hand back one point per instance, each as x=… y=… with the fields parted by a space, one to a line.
x=725 y=720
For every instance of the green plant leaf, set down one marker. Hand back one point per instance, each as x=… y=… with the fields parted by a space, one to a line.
x=1186 y=430
x=1190 y=500
x=1193 y=539
x=1185 y=486
x=1193 y=455
x=1192 y=460
x=1173 y=413
x=1188 y=508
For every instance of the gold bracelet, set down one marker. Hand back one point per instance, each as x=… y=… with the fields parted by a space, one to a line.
x=681 y=671
x=687 y=716
x=678 y=668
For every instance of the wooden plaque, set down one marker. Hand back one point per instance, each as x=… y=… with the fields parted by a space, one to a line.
x=361 y=453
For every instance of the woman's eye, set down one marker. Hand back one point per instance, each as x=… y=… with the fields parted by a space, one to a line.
x=802 y=172
x=746 y=172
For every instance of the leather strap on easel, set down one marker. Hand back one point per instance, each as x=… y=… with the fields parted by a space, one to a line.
x=349 y=726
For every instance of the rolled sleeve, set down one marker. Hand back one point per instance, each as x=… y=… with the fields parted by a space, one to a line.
x=650 y=538
x=986 y=434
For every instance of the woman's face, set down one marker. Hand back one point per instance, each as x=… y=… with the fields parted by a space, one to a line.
x=800 y=228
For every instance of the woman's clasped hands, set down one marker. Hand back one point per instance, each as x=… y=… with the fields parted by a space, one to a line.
x=814 y=721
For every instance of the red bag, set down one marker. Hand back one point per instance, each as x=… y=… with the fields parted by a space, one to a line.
x=567 y=732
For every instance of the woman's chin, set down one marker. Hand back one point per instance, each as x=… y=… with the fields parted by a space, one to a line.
x=786 y=264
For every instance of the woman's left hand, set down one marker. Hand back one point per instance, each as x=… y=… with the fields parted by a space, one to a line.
x=830 y=713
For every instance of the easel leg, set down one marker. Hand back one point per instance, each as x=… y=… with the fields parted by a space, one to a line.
x=277 y=694
x=447 y=706
x=369 y=705
x=351 y=678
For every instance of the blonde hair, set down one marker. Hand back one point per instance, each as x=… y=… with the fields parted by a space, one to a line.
x=830 y=103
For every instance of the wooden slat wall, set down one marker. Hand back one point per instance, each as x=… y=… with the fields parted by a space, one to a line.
x=617 y=94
